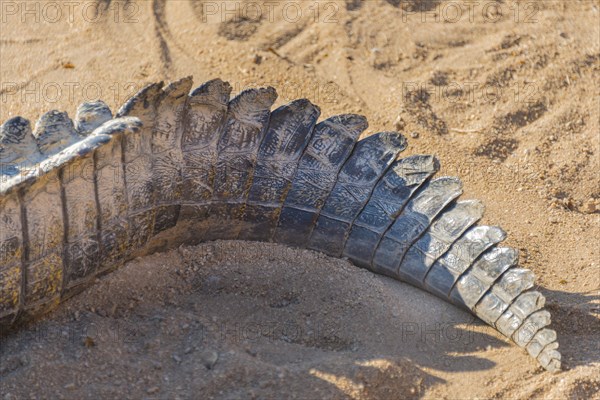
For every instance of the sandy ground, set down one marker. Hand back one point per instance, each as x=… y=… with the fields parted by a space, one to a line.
x=506 y=95
x=238 y=320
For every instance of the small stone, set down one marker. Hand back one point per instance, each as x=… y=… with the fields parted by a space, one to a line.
x=257 y=59
x=89 y=342
x=553 y=220
x=589 y=207
x=209 y=358
x=399 y=123
x=414 y=135
x=153 y=390
x=176 y=358
x=157 y=365
x=69 y=386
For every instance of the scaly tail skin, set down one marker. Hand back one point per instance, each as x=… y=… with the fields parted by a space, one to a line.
x=181 y=166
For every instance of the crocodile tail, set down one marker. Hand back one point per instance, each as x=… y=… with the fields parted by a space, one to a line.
x=181 y=165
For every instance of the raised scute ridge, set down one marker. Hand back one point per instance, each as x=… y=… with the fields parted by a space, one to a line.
x=90 y=116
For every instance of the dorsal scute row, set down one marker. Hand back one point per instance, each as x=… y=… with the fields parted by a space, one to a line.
x=207 y=166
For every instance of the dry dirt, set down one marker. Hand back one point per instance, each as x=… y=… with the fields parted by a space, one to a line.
x=239 y=320
x=505 y=94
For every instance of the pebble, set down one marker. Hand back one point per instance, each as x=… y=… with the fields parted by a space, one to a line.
x=399 y=123
x=209 y=358
x=89 y=342
x=589 y=207
x=414 y=135
x=153 y=390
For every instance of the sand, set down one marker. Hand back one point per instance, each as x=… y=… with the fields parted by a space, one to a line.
x=239 y=320
x=505 y=95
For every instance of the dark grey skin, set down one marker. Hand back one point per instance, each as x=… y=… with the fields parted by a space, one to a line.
x=182 y=166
